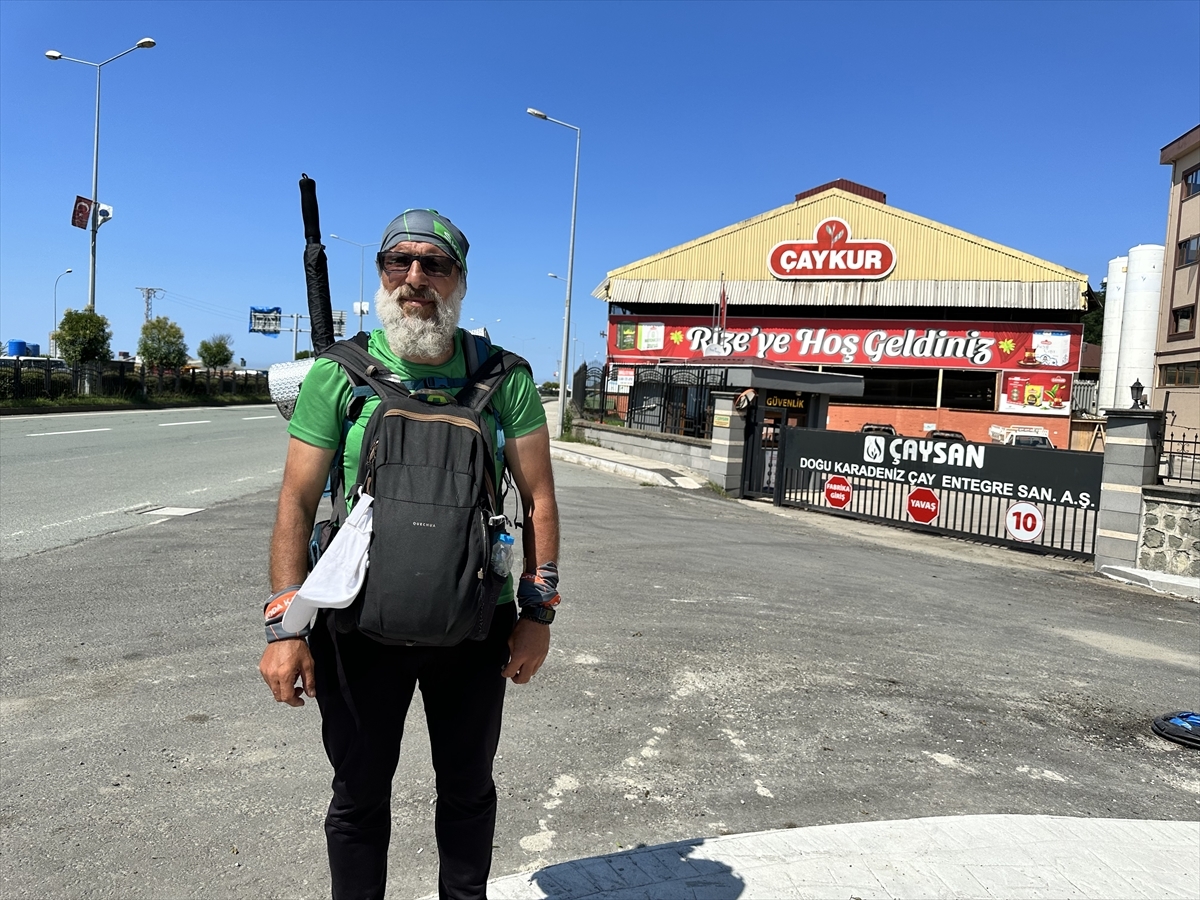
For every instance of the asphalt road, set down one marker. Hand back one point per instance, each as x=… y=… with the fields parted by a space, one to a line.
x=72 y=476
x=715 y=669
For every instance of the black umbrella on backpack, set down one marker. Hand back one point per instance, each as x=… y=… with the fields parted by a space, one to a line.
x=316 y=268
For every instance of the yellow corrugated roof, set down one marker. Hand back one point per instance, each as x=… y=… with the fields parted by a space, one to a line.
x=925 y=250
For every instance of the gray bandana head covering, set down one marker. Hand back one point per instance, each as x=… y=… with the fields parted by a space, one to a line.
x=430 y=227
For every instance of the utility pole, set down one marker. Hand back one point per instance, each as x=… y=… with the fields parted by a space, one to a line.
x=149 y=294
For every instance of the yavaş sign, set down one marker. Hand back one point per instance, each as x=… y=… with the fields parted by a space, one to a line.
x=832 y=253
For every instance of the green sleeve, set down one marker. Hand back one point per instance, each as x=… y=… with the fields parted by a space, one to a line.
x=518 y=405
x=321 y=405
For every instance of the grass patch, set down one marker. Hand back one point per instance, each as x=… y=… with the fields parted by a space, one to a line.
x=76 y=401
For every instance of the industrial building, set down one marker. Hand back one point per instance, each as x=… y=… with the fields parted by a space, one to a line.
x=949 y=331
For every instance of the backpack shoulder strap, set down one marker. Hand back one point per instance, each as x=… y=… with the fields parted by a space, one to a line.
x=488 y=376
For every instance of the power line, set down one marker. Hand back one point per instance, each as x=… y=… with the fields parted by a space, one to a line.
x=149 y=293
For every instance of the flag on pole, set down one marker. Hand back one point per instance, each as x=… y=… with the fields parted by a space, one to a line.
x=103 y=213
x=724 y=303
x=82 y=212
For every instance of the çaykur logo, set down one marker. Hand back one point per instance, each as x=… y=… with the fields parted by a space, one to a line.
x=939 y=453
x=832 y=253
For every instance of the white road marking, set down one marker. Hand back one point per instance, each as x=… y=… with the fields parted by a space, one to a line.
x=107 y=512
x=256 y=418
x=171 y=511
x=80 y=431
x=197 y=422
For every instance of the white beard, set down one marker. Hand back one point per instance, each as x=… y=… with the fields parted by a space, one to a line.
x=412 y=337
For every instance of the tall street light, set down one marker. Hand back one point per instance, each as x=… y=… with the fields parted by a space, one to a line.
x=144 y=44
x=361 y=307
x=562 y=382
x=54 y=327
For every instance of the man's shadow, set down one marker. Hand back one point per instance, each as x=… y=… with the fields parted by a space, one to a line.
x=659 y=872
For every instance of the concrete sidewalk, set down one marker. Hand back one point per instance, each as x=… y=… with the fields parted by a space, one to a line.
x=986 y=856
x=647 y=471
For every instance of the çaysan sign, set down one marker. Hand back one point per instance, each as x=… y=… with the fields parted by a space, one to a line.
x=832 y=253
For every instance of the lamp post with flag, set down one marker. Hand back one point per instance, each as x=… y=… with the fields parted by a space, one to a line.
x=91 y=211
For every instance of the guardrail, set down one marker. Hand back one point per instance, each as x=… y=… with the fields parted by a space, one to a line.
x=24 y=379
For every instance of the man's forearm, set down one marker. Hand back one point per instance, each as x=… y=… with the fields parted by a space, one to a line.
x=540 y=537
x=289 y=543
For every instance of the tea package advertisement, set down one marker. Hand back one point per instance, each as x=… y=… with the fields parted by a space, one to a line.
x=1047 y=393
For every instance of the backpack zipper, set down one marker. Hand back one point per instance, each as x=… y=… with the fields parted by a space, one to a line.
x=434 y=417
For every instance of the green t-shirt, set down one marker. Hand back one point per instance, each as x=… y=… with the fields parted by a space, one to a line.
x=327 y=391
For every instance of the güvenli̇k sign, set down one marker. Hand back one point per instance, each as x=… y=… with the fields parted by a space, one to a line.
x=833 y=253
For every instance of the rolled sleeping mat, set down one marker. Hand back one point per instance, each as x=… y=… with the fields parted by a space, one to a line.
x=283 y=381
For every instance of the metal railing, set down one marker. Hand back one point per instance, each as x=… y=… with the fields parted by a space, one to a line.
x=27 y=379
x=1179 y=462
x=1085 y=397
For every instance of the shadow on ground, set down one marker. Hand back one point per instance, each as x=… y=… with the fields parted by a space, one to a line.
x=663 y=872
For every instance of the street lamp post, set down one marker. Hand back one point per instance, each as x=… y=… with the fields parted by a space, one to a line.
x=562 y=381
x=362 y=262
x=144 y=44
x=54 y=326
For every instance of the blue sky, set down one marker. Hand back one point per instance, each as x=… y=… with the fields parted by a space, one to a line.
x=1035 y=125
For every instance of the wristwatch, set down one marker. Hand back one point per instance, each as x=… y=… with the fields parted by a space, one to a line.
x=543 y=615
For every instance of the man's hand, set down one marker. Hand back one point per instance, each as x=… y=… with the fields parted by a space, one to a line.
x=283 y=662
x=527 y=648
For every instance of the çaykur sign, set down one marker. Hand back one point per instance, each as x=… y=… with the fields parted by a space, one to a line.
x=992 y=346
x=832 y=253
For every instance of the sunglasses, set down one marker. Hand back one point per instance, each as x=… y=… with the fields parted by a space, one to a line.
x=400 y=263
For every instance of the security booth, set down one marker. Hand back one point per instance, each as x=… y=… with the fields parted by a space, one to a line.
x=763 y=400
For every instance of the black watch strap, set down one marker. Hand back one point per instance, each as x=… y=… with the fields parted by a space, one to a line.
x=543 y=615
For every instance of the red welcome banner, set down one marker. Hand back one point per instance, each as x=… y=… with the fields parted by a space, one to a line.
x=907 y=344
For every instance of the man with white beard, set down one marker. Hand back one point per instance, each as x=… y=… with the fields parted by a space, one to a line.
x=363 y=687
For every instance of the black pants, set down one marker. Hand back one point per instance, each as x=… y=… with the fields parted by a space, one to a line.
x=363 y=707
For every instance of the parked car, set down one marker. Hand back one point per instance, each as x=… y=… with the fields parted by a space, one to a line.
x=942 y=434
x=1037 y=441
x=877 y=428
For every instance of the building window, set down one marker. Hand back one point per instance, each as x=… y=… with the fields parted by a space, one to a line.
x=969 y=390
x=1188 y=251
x=1191 y=183
x=894 y=387
x=1179 y=375
x=1183 y=320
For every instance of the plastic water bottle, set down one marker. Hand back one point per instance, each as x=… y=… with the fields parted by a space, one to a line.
x=502 y=554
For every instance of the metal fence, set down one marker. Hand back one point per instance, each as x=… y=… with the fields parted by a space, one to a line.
x=27 y=379
x=1085 y=397
x=1042 y=500
x=1179 y=462
x=674 y=399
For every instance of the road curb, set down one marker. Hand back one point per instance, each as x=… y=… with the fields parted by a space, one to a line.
x=1177 y=585
x=607 y=465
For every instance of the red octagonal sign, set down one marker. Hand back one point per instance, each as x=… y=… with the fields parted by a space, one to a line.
x=923 y=505
x=838 y=491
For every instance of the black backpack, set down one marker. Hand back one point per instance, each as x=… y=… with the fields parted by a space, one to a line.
x=427 y=459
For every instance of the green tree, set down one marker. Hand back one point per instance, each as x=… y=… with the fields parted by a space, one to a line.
x=1093 y=319
x=83 y=336
x=303 y=354
x=216 y=352
x=161 y=344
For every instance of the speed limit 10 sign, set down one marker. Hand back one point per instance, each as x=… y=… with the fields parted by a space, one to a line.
x=1024 y=522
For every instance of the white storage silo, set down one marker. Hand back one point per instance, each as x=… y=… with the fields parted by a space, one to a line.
x=1110 y=346
x=1139 y=321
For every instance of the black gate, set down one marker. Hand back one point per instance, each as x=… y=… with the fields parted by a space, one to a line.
x=674 y=399
x=1043 y=500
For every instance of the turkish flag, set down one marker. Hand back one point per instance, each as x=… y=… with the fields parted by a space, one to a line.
x=82 y=213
